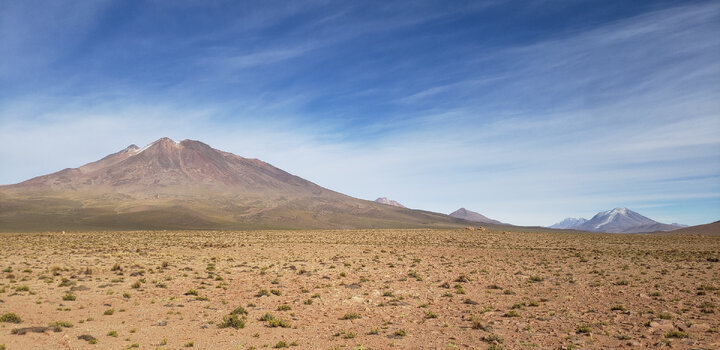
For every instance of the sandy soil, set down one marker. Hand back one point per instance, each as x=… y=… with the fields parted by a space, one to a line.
x=358 y=290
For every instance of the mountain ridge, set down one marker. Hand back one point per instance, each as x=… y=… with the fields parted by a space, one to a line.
x=469 y=215
x=190 y=185
x=617 y=220
x=568 y=223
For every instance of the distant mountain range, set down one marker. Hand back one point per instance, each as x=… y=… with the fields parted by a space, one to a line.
x=384 y=200
x=190 y=185
x=618 y=220
x=468 y=215
x=569 y=223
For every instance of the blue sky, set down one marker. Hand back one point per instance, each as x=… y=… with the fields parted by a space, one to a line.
x=528 y=112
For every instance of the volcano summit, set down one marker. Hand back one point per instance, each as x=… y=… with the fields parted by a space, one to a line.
x=190 y=185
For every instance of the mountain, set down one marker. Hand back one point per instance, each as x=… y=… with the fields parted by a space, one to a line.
x=623 y=220
x=190 y=185
x=569 y=223
x=468 y=215
x=384 y=200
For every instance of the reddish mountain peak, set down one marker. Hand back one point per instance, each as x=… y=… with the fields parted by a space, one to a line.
x=178 y=167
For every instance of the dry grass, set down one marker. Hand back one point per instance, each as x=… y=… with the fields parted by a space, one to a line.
x=375 y=288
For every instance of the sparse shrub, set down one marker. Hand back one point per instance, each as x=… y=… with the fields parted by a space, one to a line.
x=512 y=313
x=430 y=314
x=191 y=292
x=476 y=323
x=10 y=318
x=69 y=297
x=462 y=278
x=65 y=282
x=351 y=316
x=583 y=329
x=676 y=334
x=239 y=311
x=400 y=333
x=109 y=312
x=280 y=344
x=63 y=324
x=263 y=293
x=617 y=308
x=284 y=307
x=232 y=320
x=277 y=322
x=492 y=338
x=707 y=307
x=112 y=334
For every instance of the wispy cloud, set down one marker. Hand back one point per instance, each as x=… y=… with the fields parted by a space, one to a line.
x=408 y=103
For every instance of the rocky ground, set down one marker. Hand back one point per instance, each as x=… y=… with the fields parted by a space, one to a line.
x=358 y=290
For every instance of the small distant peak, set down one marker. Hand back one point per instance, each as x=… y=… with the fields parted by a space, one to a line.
x=188 y=141
x=165 y=140
x=385 y=200
x=461 y=211
x=131 y=148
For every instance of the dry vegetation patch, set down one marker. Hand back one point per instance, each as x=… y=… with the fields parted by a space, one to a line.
x=358 y=289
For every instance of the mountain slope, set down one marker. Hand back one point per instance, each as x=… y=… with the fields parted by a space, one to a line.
x=384 y=200
x=468 y=215
x=623 y=220
x=711 y=229
x=569 y=223
x=190 y=185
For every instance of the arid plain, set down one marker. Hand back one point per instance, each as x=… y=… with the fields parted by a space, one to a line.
x=358 y=289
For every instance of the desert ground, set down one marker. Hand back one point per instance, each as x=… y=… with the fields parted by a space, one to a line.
x=360 y=289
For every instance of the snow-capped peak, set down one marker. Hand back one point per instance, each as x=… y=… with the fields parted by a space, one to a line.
x=569 y=223
x=622 y=211
x=140 y=150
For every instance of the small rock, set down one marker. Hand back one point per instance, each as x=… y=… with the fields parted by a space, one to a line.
x=22 y=331
x=86 y=337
